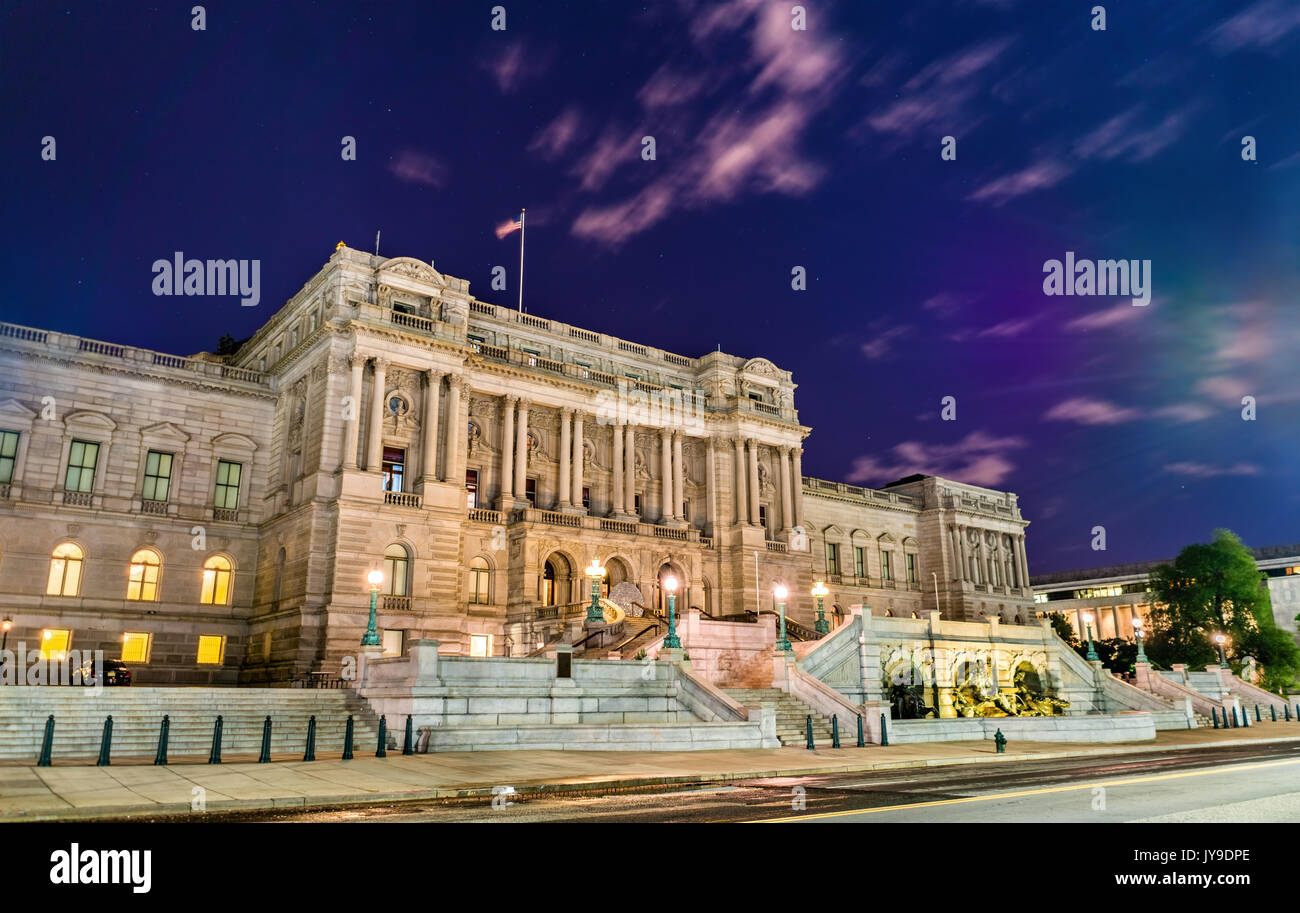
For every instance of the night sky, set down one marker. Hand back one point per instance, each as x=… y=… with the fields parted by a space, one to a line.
x=775 y=148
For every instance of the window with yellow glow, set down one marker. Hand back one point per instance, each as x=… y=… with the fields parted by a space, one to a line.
x=142 y=578
x=216 y=581
x=54 y=643
x=393 y=642
x=135 y=648
x=65 y=571
x=211 y=649
x=478 y=581
x=480 y=645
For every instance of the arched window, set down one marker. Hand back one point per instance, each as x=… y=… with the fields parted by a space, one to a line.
x=142 y=578
x=397 y=564
x=65 y=570
x=479 y=577
x=216 y=581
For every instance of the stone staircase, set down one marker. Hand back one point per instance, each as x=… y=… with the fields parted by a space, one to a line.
x=791 y=717
x=79 y=716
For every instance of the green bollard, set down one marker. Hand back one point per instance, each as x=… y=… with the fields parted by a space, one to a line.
x=862 y=741
x=1215 y=712
x=1245 y=718
x=383 y=737
x=1286 y=708
x=835 y=730
x=310 y=753
x=347 y=741
x=265 y=756
x=47 y=743
x=808 y=729
x=1272 y=708
x=1258 y=719
x=106 y=743
x=1000 y=742
x=884 y=732
x=408 y=743
x=214 y=756
x=160 y=759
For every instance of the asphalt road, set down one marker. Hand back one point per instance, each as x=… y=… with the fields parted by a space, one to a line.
x=1252 y=783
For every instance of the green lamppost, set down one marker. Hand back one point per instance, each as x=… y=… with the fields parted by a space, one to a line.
x=819 y=592
x=595 y=572
x=1219 y=641
x=1092 y=650
x=780 y=592
x=376 y=580
x=5 y=625
x=1137 y=632
x=672 y=641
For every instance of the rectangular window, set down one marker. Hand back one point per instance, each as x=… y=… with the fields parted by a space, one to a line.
x=686 y=511
x=762 y=515
x=394 y=468
x=135 y=648
x=212 y=649
x=636 y=502
x=832 y=558
x=530 y=492
x=8 y=455
x=392 y=642
x=531 y=357
x=471 y=488
x=911 y=569
x=480 y=645
x=55 y=642
x=860 y=560
x=82 y=457
x=886 y=566
x=227 y=493
x=157 y=476
x=586 y=497
x=584 y=368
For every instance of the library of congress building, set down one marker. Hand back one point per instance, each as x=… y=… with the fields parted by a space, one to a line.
x=215 y=519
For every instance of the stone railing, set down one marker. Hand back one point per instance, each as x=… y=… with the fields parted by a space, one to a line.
x=778 y=547
x=402 y=499
x=413 y=322
x=483 y=515
x=390 y=603
x=603 y=524
x=856 y=492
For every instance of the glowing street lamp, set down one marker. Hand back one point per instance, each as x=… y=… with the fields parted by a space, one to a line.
x=1219 y=640
x=5 y=626
x=1092 y=650
x=672 y=641
x=376 y=579
x=1137 y=631
x=819 y=592
x=595 y=572
x=779 y=592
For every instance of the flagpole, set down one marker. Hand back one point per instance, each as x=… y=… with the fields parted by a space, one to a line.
x=522 y=228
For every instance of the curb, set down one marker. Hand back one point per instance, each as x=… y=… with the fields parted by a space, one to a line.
x=526 y=789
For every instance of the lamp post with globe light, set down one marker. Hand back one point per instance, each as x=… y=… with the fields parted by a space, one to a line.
x=672 y=641
x=1137 y=632
x=819 y=592
x=780 y=592
x=595 y=572
x=376 y=579
x=1092 y=650
x=1219 y=640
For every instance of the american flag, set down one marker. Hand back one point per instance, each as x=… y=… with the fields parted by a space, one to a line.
x=513 y=225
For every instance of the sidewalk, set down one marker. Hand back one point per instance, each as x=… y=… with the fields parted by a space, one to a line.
x=139 y=788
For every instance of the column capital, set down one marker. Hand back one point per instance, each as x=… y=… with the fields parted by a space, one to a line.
x=511 y=400
x=523 y=402
x=382 y=363
x=566 y=411
x=457 y=382
x=433 y=376
x=357 y=360
x=784 y=451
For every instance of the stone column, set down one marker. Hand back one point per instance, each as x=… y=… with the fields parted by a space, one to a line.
x=787 y=497
x=961 y=542
x=374 y=449
x=453 y=462
x=521 y=452
x=742 y=499
x=629 y=468
x=352 y=437
x=679 y=478
x=579 y=453
x=666 y=474
x=616 y=496
x=507 y=452
x=432 y=392
x=566 y=445
x=1024 y=561
x=797 y=484
x=710 y=492
x=753 y=482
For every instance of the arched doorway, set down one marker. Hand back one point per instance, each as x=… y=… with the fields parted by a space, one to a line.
x=557 y=581
x=616 y=571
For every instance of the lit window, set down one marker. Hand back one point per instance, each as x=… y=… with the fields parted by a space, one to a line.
x=392 y=642
x=54 y=643
x=227 y=491
x=1040 y=597
x=82 y=457
x=586 y=501
x=135 y=648
x=479 y=576
x=157 y=476
x=480 y=645
x=396 y=565
x=394 y=465
x=762 y=515
x=142 y=578
x=8 y=455
x=65 y=571
x=216 y=581
x=212 y=647
x=471 y=488
x=530 y=492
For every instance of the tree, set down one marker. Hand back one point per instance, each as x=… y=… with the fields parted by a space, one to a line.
x=1061 y=625
x=1216 y=588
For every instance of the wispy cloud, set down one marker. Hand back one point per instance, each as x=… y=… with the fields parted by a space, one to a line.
x=418 y=168
x=1184 y=412
x=1125 y=136
x=1206 y=471
x=883 y=343
x=515 y=65
x=941 y=95
x=1038 y=176
x=978 y=459
x=558 y=137
x=1260 y=26
x=1086 y=411
x=1112 y=316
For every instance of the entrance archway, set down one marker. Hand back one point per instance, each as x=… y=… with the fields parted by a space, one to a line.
x=556 y=585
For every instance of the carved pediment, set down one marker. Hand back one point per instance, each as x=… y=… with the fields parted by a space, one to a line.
x=761 y=367
x=97 y=421
x=164 y=431
x=410 y=268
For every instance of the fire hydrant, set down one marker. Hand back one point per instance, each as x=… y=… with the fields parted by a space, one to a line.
x=1000 y=741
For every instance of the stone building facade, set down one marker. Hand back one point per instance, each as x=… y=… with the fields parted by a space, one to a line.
x=214 y=519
